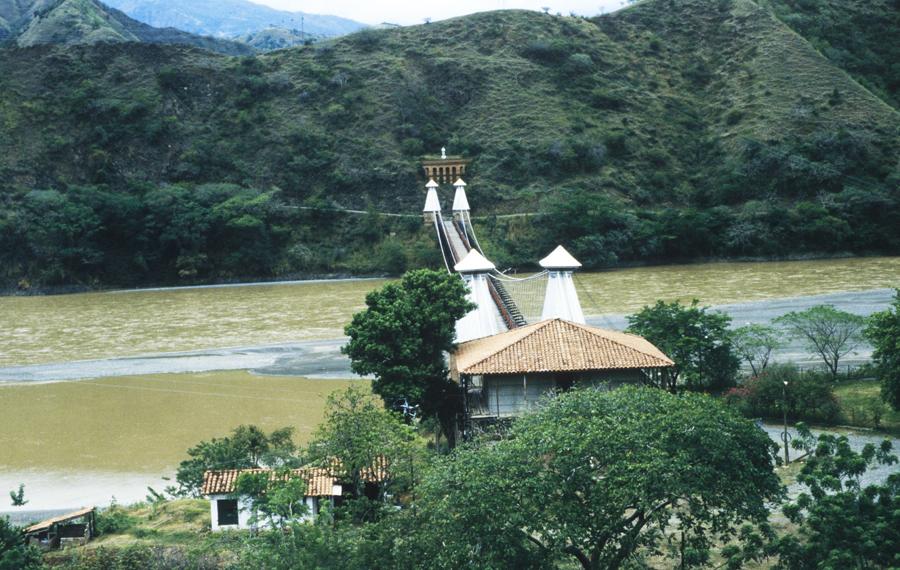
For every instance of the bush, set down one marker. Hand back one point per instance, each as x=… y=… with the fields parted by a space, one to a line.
x=579 y=63
x=14 y=554
x=545 y=51
x=809 y=395
x=608 y=98
x=113 y=520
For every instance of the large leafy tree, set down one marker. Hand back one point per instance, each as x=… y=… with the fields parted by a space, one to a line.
x=597 y=478
x=278 y=498
x=755 y=343
x=695 y=338
x=828 y=332
x=401 y=338
x=246 y=447
x=883 y=331
x=841 y=523
x=359 y=434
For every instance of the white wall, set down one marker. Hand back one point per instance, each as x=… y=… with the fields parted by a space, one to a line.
x=245 y=511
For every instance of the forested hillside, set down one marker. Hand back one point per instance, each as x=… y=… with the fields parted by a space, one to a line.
x=859 y=36
x=671 y=130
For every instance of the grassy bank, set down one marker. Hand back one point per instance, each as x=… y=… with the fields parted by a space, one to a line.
x=861 y=403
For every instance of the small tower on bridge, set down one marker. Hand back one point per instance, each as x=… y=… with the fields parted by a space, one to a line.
x=561 y=299
x=484 y=320
x=432 y=202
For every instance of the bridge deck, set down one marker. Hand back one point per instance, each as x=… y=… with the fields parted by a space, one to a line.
x=457 y=246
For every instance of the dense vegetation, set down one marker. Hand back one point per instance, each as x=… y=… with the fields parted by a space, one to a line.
x=669 y=130
x=629 y=478
x=859 y=37
x=883 y=331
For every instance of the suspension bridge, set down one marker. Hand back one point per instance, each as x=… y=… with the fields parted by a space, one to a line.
x=504 y=302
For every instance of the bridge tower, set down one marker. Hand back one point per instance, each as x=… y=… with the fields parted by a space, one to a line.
x=561 y=299
x=444 y=168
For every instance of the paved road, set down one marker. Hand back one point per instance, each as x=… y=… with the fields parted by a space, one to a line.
x=322 y=359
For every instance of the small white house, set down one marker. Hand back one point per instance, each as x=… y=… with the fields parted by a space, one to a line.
x=229 y=511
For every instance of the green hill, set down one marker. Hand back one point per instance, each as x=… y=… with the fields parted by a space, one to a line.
x=76 y=22
x=674 y=129
x=859 y=36
x=271 y=38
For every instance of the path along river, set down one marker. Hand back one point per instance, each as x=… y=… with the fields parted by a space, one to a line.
x=79 y=442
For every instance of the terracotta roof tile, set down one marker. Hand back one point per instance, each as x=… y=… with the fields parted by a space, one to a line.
x=557 y=345
x=319 y=482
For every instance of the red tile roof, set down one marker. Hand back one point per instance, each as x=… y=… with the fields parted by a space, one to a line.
x=319 y=482
x=557 y=345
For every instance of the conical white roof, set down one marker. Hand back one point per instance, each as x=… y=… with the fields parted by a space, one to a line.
x=474 y=262
x=559 y=258
x=432 y=204
x=460 y=202
x=431 y=183
x=459 y=182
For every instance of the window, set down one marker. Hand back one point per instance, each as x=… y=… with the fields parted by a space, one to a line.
x=565 y=381
x=228 y=512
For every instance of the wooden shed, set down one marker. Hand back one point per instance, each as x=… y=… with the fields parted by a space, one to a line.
x=71 y=529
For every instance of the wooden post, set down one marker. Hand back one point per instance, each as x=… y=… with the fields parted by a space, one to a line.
x=525 y=390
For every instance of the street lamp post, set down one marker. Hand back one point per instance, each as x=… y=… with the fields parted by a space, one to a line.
x=784 y=436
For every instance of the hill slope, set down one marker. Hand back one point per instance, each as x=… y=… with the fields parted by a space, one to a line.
x=859 y=36
x=230 y=18
x=74 y=22
x=653 y=133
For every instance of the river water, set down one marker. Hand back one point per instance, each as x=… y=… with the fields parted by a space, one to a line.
x=75 y=443
x=92 y=326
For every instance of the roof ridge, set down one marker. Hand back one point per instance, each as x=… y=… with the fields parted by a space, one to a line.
x=596 y=331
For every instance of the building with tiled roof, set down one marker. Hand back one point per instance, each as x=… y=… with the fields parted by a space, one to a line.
x=505 y=374
x=230 y=511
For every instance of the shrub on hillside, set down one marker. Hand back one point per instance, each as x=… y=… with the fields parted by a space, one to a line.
x=809 y=395
x=545 y=51
x=113 y=520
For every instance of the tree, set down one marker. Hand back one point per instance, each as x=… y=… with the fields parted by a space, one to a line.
x=842 y=524
x=17 y=498
x=401 y=339
x=358 y=434
x=697 y=340
x=14 y=553
x=883 y=331
x=595 y=477
x=828 y=332
x=247 y=447
x=279 y=497
x=755 y=343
